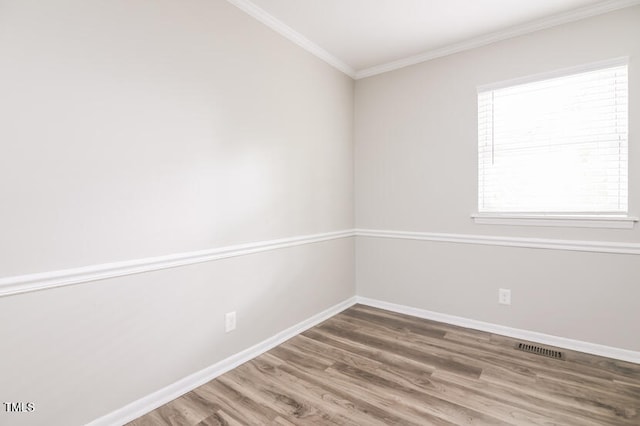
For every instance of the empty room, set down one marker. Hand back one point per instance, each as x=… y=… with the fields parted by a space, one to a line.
x=305 y=212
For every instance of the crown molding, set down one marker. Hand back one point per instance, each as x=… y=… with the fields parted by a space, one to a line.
x=529 y=27
x=563 y=18
x=291 y=34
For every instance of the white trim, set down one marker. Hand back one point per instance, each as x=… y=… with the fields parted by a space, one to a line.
x=538 y=243
x=40 y=281
x=152 y=401
x=541 y=24
x=292 y=35
x=45 y=280
x=562 y=72
x=577 y=221
x=575 y=15
x=160 y=397
x=52 y=279
x=533 y=336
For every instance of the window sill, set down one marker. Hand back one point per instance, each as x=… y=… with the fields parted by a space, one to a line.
x=577 y=221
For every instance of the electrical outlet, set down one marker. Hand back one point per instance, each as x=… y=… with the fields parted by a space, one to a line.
x=504 y=296
x=229 y=321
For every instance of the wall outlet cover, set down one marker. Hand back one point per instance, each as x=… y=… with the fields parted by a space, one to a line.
x=229 y=321
x=504 y=296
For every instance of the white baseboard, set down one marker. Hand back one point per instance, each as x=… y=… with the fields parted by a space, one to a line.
x=151 y=402
x=546 y=339
x=175 y=390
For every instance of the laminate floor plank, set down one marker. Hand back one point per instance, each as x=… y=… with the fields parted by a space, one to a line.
x=415 y=376
x=423 y=401
x=527 y=398
x=421 y=384
x=384 y=405
x=281 y=399
x=381 y=406
x=446 y=351
x=308 y=403
x=487 y=352
x=236 y=404
x=367 y=366
x=356 y=348
x=527 y=363
x=515 y=409
x=218 y=419
x=447 y=328
x=397 y=347
x=579 y=409
x=346 y=410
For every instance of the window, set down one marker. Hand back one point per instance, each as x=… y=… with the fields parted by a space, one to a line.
x=555 y=146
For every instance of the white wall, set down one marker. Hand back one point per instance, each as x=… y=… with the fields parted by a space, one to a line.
x=416 y=170
x=147 y=128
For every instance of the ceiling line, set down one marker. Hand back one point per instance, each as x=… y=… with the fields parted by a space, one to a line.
x=551 y=21
x=515 y=31
x=291 y=34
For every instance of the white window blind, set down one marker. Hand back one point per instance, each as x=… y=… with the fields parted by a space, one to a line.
x=557 y=145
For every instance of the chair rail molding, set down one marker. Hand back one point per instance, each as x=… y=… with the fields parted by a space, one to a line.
x=45 y=280
x=12 y=285
x=492 y=240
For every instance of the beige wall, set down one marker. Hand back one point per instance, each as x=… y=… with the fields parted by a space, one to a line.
x=133 y=129
x=83 y=351
x=148 y=128
x=416 y=170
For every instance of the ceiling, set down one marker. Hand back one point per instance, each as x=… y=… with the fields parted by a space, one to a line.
x=366 y=37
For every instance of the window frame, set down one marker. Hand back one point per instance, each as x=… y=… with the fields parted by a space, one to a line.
x=586 y=220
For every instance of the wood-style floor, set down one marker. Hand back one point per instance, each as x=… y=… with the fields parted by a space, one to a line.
x=366 y=366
